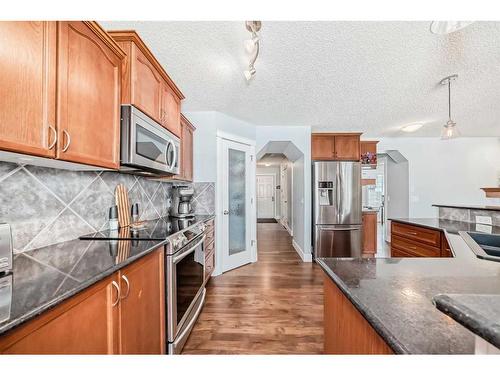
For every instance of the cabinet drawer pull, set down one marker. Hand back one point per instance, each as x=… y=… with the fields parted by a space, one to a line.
x=115 y=284
x=128 y=286
x=54 y=133
x=65 y=148
x=412 y=233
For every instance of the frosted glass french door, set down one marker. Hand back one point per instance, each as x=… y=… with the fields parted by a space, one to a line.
x=237 y=204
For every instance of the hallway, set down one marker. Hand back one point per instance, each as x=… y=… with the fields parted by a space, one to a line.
x=273 y=306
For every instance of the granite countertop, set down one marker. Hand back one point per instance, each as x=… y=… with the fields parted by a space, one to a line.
x=471 y=207
x=45 y=277
x=449 y=226
x=395 y=294
x=480 y=313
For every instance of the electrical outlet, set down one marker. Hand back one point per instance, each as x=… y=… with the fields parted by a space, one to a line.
x=484 y=220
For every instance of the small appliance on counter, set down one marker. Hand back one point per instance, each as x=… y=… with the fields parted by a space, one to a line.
x=5 y=248
x=181 y=201
x=5 y=297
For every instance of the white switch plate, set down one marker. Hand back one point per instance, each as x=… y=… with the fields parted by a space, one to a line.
x=483 y=220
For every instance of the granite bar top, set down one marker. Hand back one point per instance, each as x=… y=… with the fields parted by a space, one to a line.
x=449 y=226
x=395 y=295
x=45 y=277
x=478 y=312
x=470 y=207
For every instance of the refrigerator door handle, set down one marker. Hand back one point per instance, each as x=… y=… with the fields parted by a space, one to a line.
x=337 y=229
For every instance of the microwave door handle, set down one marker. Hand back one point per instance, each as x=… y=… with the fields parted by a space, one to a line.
x=174 y=160
x=184 y=254
x=166 y=154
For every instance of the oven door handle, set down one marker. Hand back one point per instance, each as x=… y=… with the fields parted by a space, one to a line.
x=178 y=258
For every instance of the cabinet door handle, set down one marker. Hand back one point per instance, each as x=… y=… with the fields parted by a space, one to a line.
x=54 y=133
x=65 y=148
x=115 y=284
x=128 y=287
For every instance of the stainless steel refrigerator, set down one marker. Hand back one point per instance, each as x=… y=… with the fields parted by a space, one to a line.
x=337 y=217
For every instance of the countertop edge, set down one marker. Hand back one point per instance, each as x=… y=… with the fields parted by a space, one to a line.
x=377 y=325
x=81 y=287
x=5 y=329
x=469 y=318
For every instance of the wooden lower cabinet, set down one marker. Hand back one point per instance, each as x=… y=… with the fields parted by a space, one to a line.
x=122 y=314
x=346 y=331
x=408 y=241
x=85 y=324
x=369 y=232
x=142 y=306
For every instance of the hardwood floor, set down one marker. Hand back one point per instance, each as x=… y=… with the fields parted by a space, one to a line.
x=273 y=306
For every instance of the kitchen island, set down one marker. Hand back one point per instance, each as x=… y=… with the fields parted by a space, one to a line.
x=394 y=296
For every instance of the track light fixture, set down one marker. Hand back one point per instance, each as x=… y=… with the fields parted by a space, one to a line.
x=252 y=46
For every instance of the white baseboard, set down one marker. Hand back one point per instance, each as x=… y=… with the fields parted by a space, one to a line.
x=304 y=256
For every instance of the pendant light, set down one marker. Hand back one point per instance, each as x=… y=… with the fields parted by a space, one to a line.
x=450 y=129
x=252 y=46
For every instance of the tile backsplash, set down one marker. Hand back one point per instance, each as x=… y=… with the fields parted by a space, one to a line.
x=468 y=214
x=45 y=206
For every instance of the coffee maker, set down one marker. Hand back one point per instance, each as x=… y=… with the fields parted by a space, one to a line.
x=181 y=201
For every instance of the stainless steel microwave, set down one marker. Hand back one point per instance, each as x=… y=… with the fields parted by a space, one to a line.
x=146 y=147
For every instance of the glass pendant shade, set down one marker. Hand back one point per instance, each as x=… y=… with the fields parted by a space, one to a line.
x=447 y=27
x=450 y=131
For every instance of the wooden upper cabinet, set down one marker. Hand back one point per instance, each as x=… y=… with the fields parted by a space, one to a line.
x=142 y=306
x=322 y=147
x=335 y=146
x=347 y=147
x=28 y=87
x=88 y=88
x=187 y=149
x=145 y=83
x=85 y=324
x=170 y=110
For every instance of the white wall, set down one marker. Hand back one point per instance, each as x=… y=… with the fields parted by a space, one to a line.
x=447 y=172
x=207 y=124
x=274 y=170
x=301 y=137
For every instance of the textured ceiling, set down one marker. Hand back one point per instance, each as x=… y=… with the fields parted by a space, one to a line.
x=373 y=77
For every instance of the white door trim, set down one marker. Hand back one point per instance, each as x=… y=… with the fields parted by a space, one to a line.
x=274 y=190
x=235 y=138
x=219 y=199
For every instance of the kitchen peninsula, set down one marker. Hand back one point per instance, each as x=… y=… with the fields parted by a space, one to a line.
x=386 y=305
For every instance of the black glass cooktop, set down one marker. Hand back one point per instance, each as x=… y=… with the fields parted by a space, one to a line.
x=159 y=230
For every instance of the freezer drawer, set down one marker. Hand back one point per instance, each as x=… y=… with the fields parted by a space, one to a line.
x=337 y=241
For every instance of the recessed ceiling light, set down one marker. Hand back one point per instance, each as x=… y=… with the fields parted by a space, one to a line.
x=267 y=165
x=412 y=127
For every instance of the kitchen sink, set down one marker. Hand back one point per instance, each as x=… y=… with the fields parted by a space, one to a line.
x=485 y=246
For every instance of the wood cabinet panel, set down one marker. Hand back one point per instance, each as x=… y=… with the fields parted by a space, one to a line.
x=28 y=87
x=416 y=249
x=88 y=95
x=322 y=147
x=209 y=264
x=346 y=331
x=369 y=232
x=85 y=324
x=347 y=147
x=187 y=149
x=142 y=306
x=426 y=236
x=170 y=110
x=147 y=85
x=445 y=248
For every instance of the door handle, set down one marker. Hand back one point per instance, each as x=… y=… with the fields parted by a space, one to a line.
x=225 y=212
x=65 y=148
x=128 y=287
x=117 y=287
x=54 y=132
